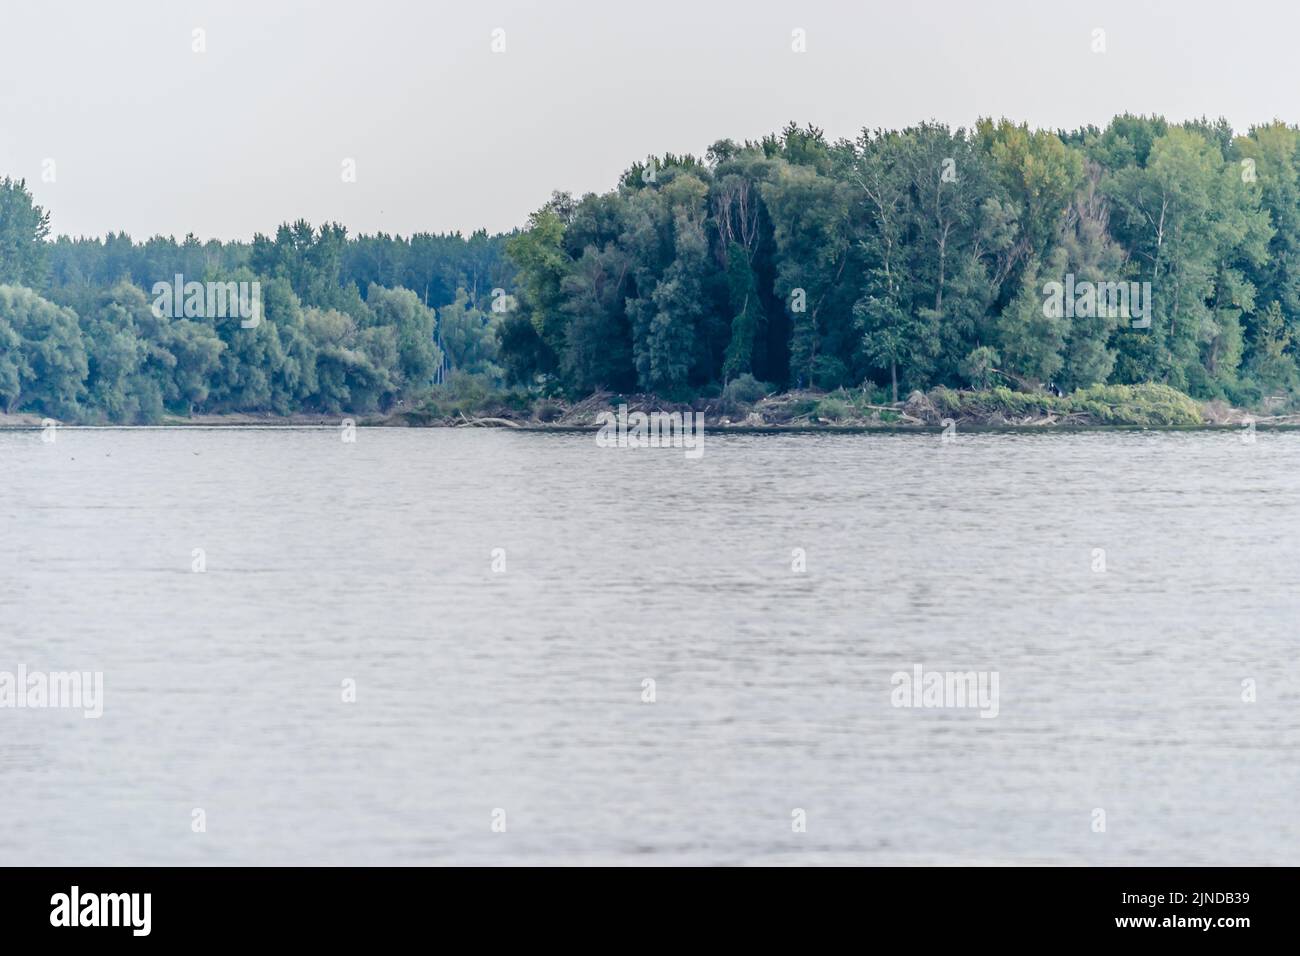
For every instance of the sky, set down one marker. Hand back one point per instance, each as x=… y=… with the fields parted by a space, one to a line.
x=117 y=123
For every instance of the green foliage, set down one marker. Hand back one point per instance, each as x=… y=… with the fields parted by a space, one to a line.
x=1028 y=338
x=468 y=337
x=49 y=361
x=980 y=367
x=412 y=325
x=23 y=228
x=1272 y=363
x=945 y=400
x=834 y=409
x=1149 y=405
x=921 y=257
x=744 y=390
x=917 y=258
x=462 y=394
x=543 y=265
x=354 y=368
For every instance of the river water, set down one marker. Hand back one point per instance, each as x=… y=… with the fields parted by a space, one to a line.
x=498 y=603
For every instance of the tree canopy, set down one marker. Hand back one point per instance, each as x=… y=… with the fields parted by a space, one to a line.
x=896 y=260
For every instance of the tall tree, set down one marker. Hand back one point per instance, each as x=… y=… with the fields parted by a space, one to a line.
x=24 y=227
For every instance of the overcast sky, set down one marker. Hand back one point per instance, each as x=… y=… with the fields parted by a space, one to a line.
x=148 y=136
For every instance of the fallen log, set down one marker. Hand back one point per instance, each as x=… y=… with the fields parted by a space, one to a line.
x=486 y=422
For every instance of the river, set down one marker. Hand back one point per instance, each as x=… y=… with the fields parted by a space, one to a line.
x=482 y=646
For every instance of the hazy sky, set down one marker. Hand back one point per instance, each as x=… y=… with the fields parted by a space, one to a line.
x=148 y=136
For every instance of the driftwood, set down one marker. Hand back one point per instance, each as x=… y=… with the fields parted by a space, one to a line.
x=486 y=422
x=898 y=410
x=1015 y=378
x=1280 y=419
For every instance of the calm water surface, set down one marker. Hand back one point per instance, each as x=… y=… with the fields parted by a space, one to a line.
x=522 y=690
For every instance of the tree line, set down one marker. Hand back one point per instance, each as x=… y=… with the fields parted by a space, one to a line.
x=908 y=259
x=347 y=324
x=895 y=261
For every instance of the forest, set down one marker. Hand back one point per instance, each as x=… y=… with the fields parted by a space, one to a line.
x=894 y=262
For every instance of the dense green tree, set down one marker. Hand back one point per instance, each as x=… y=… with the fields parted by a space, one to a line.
x=598 y=336
x=664 y=324
x=1086 y=251
x=413 y=326
x=1272 y=363
x=128 y=364
x=543 y=264
x=11 y=366
x=1189 y=222
x=912 y=258
x=811 y=234
x=1029 y=337
x=468 y=337
x=52 y=367
x=353 y=366
x=23 y=229
x=197 y=350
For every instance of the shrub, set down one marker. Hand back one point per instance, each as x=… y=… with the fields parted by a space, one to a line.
x=1150 y=404
x=834 y=409
x=461 y=394
x=945 y=399
x=743 y=390
x=977 y=368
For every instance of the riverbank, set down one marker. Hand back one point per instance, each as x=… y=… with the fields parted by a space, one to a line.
x=1101 y=406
